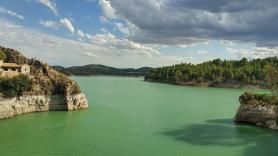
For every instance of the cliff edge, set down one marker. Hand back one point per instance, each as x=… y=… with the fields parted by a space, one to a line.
x=258 y=109
x=50 y=90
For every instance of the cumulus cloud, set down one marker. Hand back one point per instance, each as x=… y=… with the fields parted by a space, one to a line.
x=183 y=22
x=80 y=33
x=11 y=13
x=64 y=22
x=122 y=44
x=257 y=52
x=50 y=24
x=51 y=5
x=109 y=12
x=122 y=28
x=67 y=23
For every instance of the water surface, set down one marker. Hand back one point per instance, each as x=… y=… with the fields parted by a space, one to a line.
x=130 y=117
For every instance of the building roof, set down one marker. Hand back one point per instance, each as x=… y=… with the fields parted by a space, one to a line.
x=11 y=65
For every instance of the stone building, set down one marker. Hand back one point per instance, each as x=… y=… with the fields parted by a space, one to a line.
x=12 y=69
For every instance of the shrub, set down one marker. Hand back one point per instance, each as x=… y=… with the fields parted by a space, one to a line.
x=15 y=86
x=258 y=99
x=2 y=55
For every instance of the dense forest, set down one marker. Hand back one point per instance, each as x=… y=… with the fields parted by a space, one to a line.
x=94 y=69
x=226 y=73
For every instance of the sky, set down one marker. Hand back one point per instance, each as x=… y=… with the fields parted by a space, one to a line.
x=138 y=33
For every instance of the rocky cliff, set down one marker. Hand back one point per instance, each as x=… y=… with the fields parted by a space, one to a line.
x=50 y=90
x=261 y=110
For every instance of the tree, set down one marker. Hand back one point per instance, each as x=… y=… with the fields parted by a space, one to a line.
x=178 y=75
x=271 y=77
x=243 y=62
x=15 y=86
x=2 y=55
x=243 y=72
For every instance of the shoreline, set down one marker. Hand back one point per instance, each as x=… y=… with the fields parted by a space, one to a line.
x=106 y=75
x=190 y=84
x=208 y=85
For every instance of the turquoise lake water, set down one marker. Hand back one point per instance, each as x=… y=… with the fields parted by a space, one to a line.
x=130 y=117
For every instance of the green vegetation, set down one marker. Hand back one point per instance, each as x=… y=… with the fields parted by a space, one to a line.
x=271 y=77
x=95 y=69
x=216 y=72
x=258 y=99
x=15 y=86
x=2 y=55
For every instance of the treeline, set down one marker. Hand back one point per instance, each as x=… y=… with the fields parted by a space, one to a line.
x=215 y=72
x=95 y=69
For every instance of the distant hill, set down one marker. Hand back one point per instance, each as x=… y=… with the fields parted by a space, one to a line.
x=96 y=69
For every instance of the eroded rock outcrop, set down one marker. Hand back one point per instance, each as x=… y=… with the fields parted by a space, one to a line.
x=50 y=90
x=261 y=110
x=40 y=103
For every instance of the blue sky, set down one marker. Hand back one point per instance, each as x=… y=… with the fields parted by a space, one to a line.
x=126 y=33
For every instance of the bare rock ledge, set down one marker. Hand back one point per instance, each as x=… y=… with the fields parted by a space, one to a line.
x=41 y=103
x=254 y=111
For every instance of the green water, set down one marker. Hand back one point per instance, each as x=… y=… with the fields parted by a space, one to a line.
x=129 y=117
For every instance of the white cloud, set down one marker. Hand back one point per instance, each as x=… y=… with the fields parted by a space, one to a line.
x=11 y=13
x=122 y=28
x=104 y=30
x=51 y=5
x=80 y=33
x=104 y=49
x=257 y=52
x=50 y=24
x=90 y=54
x=122 y=44
x=108 y=11
x=67 y=23
x=64 y=22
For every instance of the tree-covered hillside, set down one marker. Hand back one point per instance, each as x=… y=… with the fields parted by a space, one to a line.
x=215 y=73
x=95 y=69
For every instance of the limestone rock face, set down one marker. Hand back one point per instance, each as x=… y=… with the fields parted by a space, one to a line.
x=41 y=103
x=254 y=111
x=77 y=101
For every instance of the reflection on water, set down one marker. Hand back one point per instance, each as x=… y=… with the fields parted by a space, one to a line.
x=224 y=132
